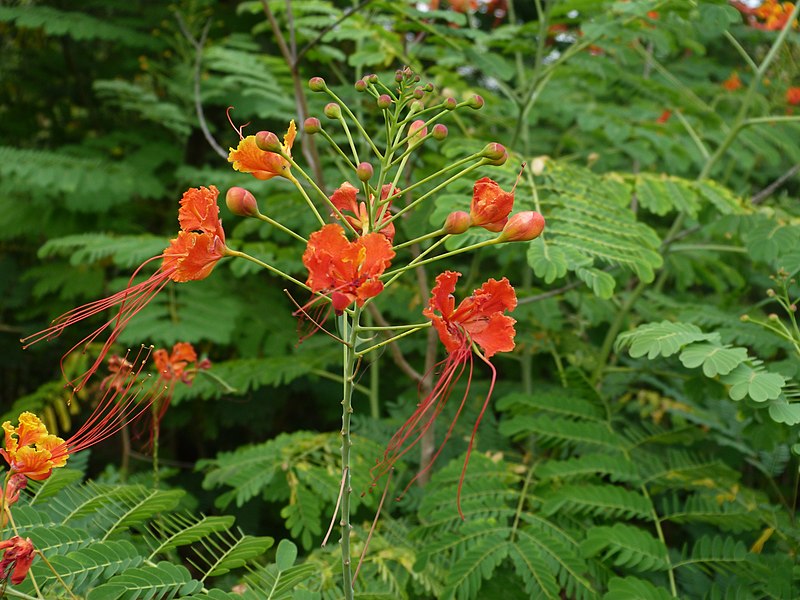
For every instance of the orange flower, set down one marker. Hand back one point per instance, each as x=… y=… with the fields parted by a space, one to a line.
x=348 y=271
x=793 y=96
x=733 y=82
x=33 y=452
x=30 y=450
x=249 y=158
x=345 y=199
x=665 y=116
x=189 y=257
x=773 y=14
x=478 y=320
x=18 y=555
x=490 y=204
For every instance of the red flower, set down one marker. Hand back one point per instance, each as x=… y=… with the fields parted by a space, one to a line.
x=490 y=205
x=733 y=82
x=17 y=558
x=478 y=319
x=189 y=257
x=664 y=116
x=345 y=199
x=261 y=164
x=793 y=96
x=348 y=271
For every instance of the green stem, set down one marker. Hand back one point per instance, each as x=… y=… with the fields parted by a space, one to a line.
x=326 y=375
x=350 y=137
x=361 y=353
x=349 y=333
x=283 y=228
x=355 y=121
x=302 y=191
x=660 y=532
x=421 y=238
x=268 y=267
x=419 y=263
x=336 y=147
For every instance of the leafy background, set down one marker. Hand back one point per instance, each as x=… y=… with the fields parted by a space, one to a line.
x=643 y=439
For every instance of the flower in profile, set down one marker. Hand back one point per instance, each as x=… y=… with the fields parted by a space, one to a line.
x=348 y=271
x=793 y=96
x=189 y=257
x=18 y=555
x=263 y=164
x=477 y=322
x=733 y=82
x=490 y=204
x=30 y=450
x=345 y=199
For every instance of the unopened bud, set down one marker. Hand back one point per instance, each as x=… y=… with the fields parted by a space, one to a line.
x=450 y=103
x=457 y=222
x=241 y=202
x=398 y=76
x=384 y=101
x=416 y=78
x=429 y=87
x=268 y=141
x=494 y=151
x=418 y=93
x=793 y=307
x=439 y=132
x=332 y=110
x=316 y=84
x=312 y=125
x=522 y=227
x=361 y=85
x=772 y=317
x=475 y=102
x=372 y=78
x=417 y=131
x=364 y=171
x=538 y=164
x=416 y=106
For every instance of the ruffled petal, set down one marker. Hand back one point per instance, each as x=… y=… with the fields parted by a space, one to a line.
x=199 y=211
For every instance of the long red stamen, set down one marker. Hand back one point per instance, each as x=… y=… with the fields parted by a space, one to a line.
x=130 y=301
x=238 y=130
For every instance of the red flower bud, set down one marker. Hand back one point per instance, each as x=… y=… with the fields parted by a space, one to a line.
x=268 y=141
x=372 y=78
x=522 y=227
x=494 y=151
x=241 y=202
x=429 y=87
x=312 y=125
x=450 y=103
x=416 y=132
x=457 y=222
x=418 y=93
x=332 y=110
x=475 y=102
x=361 y=85
x=439 y=132
x=364 y=171
x=316 y=84
x=384 y=101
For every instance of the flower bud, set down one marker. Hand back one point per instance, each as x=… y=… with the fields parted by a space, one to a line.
x=450 y=103
x=494 y=151
x=241 y=202
x=268 y=141
x=457 y=222
x=371 y=78
x=416 y=78
x=522 y=227
x=361 y=85
x=316 y=84
x=499 y=161
x=418 y=93
x=364 y=171
x=475 y=102
x=312 y=125
x=538 y=165
x=439 y=132
x=429 y=87
x=384 y=101
x=332 y=110
x=416 y=132
x=416 y=106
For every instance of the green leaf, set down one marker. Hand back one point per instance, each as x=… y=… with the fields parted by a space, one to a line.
x=781 y=411
x=661 y=339
x=626 y=546
x=600 y=282
x=716 y=359
x=163 y=580
x=548 y=262
x=753 y=382
x=632 y=588
x=286 y=555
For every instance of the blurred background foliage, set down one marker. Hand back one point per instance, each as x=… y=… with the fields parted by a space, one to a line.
x=661 y=142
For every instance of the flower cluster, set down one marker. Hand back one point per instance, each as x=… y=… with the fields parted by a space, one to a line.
x=770 y=15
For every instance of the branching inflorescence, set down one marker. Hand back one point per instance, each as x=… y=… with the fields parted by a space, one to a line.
x=351 y=259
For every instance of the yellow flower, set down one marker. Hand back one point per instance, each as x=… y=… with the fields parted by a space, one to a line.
x=30 y=450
